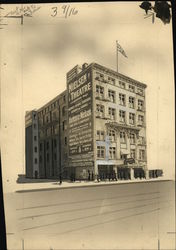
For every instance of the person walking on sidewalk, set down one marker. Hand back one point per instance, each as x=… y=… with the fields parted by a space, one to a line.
x=60 y=179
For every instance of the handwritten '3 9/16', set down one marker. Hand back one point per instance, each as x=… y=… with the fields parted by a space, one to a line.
x=66 y=11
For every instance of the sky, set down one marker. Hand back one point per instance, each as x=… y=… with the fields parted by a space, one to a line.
x=36 y=56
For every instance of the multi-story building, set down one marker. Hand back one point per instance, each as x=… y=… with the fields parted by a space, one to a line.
x=31 y=144
x=51 y=139
x=96 y=127
x=106 y=122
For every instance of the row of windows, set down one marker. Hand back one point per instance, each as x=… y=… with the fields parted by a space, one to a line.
x=51 y=107
x=53 y=130
x=100 y=112
x=52 y=116
x=54 y=142
x=123 y=137
x=54 y=157
x=112 y=153
x=122 y=98
x=107 y=79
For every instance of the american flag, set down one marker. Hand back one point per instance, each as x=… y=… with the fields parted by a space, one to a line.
x=119 y=48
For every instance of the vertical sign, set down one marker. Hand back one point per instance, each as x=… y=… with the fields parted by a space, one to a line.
x=80 y=139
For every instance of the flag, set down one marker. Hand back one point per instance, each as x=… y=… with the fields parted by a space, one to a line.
x=119 y=48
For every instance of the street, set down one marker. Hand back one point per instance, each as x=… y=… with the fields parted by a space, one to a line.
x=129 y=216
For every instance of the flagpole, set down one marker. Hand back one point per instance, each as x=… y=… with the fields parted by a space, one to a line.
x=117 y=55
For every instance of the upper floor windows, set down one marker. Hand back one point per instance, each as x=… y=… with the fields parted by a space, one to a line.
x=112 y=152
x=131 y=88
x=99 y=91
x=132 y=138
x=140 y=120
x=140 y=91
x=131 y=102
x=122 y=137
x=100 y=151
x=111 y=112
x=140 y=105
x=122 y=85
x=100 y=135
x=122 y=99
x=132 y=118
x=100 y=110
x=141 y=154
x=122 y=115
x=111 y=134
x=111 y=95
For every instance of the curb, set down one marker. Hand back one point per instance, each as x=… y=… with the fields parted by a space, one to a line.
x=87 y=186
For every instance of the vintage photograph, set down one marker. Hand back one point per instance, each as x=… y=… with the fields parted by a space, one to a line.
x=87 y=125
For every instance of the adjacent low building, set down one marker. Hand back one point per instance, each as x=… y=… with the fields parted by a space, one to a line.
x=97 y=126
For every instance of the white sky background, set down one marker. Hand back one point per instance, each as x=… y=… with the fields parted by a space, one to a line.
x=35 y=58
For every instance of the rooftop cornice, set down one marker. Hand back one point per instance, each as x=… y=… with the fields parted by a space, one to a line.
x=118 y=75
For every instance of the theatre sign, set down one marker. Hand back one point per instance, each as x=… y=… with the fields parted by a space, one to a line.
x=80 y=132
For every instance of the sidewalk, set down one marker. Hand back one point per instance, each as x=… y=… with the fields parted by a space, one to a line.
x=53 y=185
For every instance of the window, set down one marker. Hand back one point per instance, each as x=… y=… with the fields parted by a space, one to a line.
x=131 y=88
x=47 y=145
x=111 y=95
x=111 y=80
x=55 y=156
x=63 y=111
x=100 y=151
x=132 y=138
x=34 y=125
x=99 y=76
x=122 y=116
x=55 y=143
x=131 y=102
x=122 y=99
x=40 y=146
x=48 y=131
x=40 y=159
x=141 y=140
x=47 y=157
x=64 y=125
x=140 y=120
x=122 y=137
x=35 y=149
x=111 y=112
x=140 y=105
x=64 y=99
x=111 y=134
x=123 y=157
x=112 y=152
x=99 y=91
x=122 y=84
x=100 y=110
x=133 y=153
x=35 y=160
x=141 y=154
x=140 y=91
x=100 y=135
x=47 y=119
x=65 y=140
x=54 y=116
x=35 y=137
x=132 y=118
x=65 y=156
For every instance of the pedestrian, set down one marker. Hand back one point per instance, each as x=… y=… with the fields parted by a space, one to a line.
x=92 y=176
x=88 y=175
x=60 y=177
